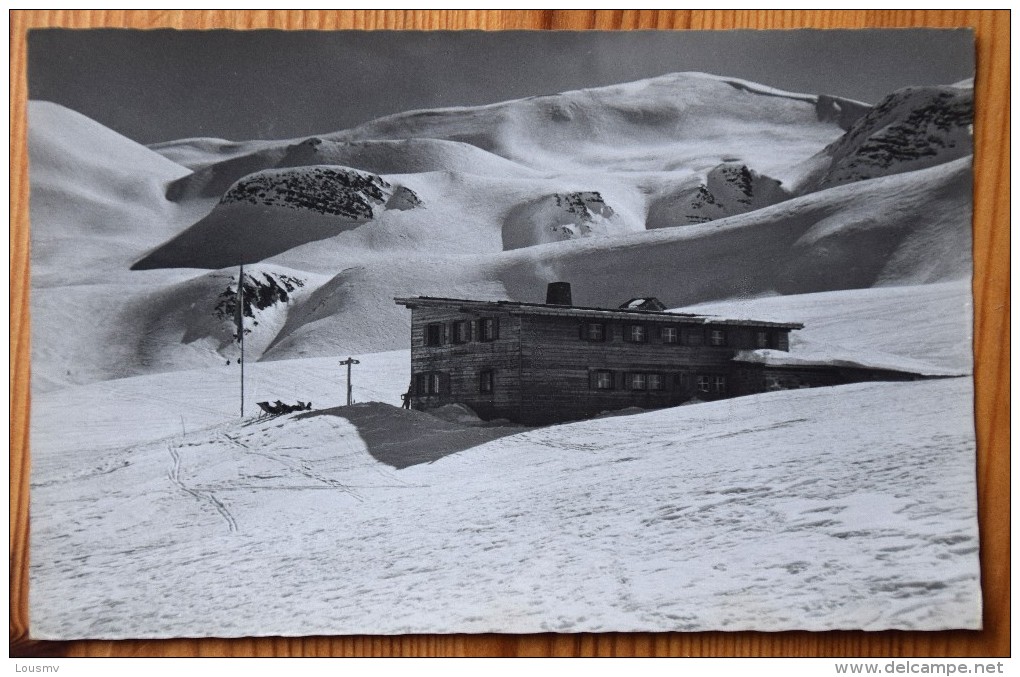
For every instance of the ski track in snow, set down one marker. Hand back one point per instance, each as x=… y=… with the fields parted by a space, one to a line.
x=203 y=496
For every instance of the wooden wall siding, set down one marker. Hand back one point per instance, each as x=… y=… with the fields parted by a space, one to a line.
x=748 y=379
x=755 y=378
x=542 y=368
x=464 y=362
x=556 y=366
x=991 y=338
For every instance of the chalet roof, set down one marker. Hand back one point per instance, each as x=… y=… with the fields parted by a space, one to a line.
x=581 y=312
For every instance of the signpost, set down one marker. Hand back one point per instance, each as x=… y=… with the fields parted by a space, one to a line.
x=349 y=361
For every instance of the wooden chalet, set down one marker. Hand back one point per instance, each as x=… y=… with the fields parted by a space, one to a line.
x=540 y=363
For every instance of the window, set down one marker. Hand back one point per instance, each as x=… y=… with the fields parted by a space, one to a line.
x=490 y=329
x=694 y=336
x=669 y=335
x=717 y=337
x=428 y=383
x=593 y=331
x=604 y=380
x=719 y=384
x=636 y=333
x=485 y=381
x=761 y=339
x=434 y=334
x=704 y=384
x=637 y=381
x=461 y=332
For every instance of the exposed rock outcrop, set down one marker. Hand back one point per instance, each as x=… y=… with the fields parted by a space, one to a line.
x=912 y=128
x=271 y=211
x=729 y=189
x=560 y=216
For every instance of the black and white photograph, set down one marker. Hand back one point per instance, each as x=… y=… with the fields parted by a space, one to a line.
x=387 y=332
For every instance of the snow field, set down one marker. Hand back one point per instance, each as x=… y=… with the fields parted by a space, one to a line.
x=848 y=508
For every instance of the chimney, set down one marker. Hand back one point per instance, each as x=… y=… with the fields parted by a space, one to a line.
x=558 y=294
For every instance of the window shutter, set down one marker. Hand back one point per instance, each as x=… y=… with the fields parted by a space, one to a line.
x=619 y=380
x=495 y=328
x=473 y=335
x=581 y=334
x=592 y=379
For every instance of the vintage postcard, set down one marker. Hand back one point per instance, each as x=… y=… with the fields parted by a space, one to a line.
x=461 y=332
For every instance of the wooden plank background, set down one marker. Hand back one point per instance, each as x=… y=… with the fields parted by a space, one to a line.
x=991 y=305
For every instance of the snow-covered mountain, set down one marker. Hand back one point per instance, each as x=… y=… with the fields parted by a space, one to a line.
x=913 y=128
x=668 y=122
x=493 y=202
x=679 y=120
x=97 y=198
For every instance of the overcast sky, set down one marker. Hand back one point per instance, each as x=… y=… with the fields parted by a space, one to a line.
x=161 y=85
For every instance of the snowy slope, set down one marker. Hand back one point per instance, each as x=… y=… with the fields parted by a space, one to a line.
x=831 y=508
x=271 y=211
x=156 y=323
x=404 y=156
x=199 y=152
x=906 y=229
x=931 y=323
x=848 y=507
x=96 y=196
x=911 y=228
x=452 y=214
x=97 y=202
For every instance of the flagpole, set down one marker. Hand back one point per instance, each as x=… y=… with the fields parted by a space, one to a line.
x=240 y=328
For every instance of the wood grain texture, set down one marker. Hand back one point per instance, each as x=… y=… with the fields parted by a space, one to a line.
x=991 y=306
